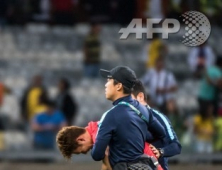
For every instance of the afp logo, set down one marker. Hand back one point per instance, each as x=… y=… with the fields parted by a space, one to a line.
x=196 y=31
x=197 y=28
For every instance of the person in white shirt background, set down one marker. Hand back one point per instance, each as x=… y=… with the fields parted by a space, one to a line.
x=161 y=85
x=200 y=58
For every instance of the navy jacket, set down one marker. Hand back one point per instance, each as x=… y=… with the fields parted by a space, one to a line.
x=124 y=132
x=170 y=145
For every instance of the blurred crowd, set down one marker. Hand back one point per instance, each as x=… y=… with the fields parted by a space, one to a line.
x=205 y=125
x=43 y=115
x=69 y=12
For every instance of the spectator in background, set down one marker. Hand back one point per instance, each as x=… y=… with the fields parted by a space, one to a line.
x=140 y=9
x=218 y=136
x=208 y=87
x=92 y=48
x=30 y=99
x=2 y=91
x=219 y=98
x=63 y=12
x=42 y=103
x=40 y=10
x=189 y=5
x=200 y=58
x=97 y=10
x=110 y=11
x=45 y=126
x=10 y=108
x=2 y=126
x=155 y=49
x=126 y=11
x=16 y=12
x=3 y=13
x=212 y=9
x=65 y=102
x=175 y=118
x=218 y=121
x=174 y=9
x=156 y=9
x=161 y=85
x=204 y=129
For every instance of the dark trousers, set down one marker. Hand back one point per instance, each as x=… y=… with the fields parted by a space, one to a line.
x=143 y=163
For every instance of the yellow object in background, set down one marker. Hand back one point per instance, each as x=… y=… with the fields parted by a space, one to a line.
x=204 y=128
x=33 y=101
x=218 y=141
x=154 y=51
x=2 y=141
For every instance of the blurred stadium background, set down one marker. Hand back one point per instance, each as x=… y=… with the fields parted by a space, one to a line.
x=53 y=48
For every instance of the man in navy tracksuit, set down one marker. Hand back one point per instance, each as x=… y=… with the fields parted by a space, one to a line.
x=164 y=149
x=123 y=127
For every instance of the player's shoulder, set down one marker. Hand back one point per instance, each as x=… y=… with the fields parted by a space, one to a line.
x=160 y=115
x=118 y=107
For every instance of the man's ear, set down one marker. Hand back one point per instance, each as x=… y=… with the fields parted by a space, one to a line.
x=80 y=139
x=140 y=97
x=119 y=86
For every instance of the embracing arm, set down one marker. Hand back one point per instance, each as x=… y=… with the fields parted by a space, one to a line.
x=104 y=135
x=172 y=145
x=156 y=129
x=172 y=149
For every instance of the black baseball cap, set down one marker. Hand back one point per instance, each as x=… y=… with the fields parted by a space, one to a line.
x=122 y=74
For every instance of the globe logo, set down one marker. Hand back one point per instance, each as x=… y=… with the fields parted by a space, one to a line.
x=197 y=28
